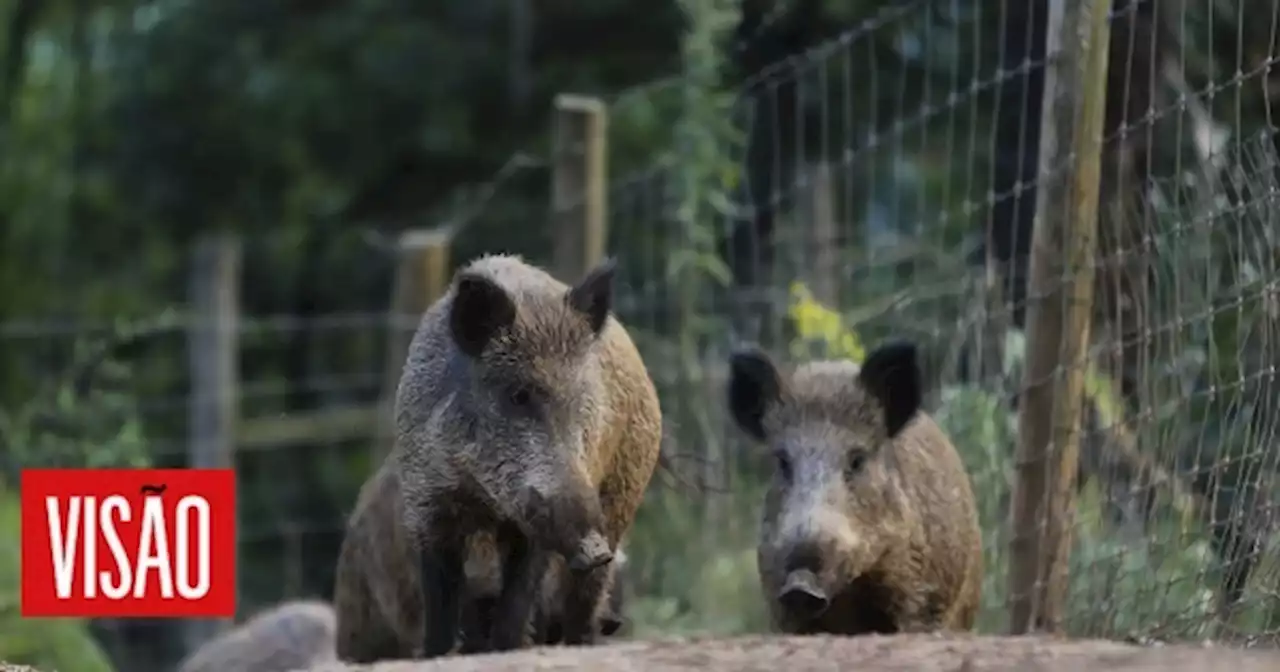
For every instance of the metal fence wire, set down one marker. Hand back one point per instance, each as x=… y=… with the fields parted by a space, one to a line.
x=883 y=181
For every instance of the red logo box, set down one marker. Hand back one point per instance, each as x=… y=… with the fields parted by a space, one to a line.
x=129 y=543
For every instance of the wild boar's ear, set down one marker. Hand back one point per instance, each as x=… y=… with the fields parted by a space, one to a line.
x=593 y=295
x=480 y=309
x=891 y=374
x=754 y=384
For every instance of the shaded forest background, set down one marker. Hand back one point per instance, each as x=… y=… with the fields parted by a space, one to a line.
x=317 y=131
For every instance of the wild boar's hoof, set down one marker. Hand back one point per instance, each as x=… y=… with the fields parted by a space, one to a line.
x=593 y=552
x=802 y=596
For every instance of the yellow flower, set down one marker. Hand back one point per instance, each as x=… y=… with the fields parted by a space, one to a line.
x=815 y=322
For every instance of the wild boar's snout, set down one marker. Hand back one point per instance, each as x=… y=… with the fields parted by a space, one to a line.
x=805 y=555
x=571 y=522
x=802 y=592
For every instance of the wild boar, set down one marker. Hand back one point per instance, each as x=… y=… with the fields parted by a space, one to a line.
x=377 y=594
x=869 y=523
x=524 y=410
x=290 y=636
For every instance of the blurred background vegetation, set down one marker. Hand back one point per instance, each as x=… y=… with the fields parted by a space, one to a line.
x=814 y=175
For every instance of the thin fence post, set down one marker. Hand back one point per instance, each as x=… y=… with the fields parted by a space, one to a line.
x=579 y=189
x=213 y=360
x=1060 y=298
x=826 y=261
x=422 y=276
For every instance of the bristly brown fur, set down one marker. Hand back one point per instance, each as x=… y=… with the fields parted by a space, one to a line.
x=376 y=593
x=887 y=523
x=292 y=635
x=587 y=434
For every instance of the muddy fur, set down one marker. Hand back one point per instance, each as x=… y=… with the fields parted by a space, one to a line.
x=290 y=636
x=869 y=524
x=524 y=412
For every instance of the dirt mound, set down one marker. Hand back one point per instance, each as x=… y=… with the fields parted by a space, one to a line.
x=921 y=653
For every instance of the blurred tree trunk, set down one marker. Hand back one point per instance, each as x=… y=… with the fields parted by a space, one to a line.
x=1007 y=240
x=1124 y=220
x=1131 y=83
x=21 y=24
x=306 y=306
x=520 y=71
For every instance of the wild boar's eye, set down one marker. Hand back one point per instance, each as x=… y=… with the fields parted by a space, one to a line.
x=784 y=464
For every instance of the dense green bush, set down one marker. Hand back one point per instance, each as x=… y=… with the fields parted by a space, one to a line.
x=86 y=418
x=46 y=644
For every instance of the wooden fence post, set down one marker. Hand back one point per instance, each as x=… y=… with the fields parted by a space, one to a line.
x=213 y=359
x=1060 y=302
x=422 y=276
x=825 y=250
x=579 y=189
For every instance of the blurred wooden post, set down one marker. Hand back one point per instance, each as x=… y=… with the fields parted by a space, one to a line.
x=422 y=276
x=213 y=359
x=1059 y=308
x=578 y=185
x=826 y=263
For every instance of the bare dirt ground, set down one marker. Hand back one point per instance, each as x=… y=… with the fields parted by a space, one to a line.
x=923 y=653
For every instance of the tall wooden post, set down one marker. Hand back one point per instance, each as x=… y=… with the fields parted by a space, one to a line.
x=213 y=359
x=422 y=276
x=1060 y=302
x=579 y=189
x=824 y=237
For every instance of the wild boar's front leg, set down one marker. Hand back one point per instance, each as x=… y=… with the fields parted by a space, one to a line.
x=442 y=580
x=477 y=618
x=522 y=573
x=582 y=606
x=545 y=630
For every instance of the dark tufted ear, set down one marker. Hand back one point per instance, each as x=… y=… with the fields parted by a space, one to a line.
x=593 y=295
x=891 y=374
x=754 y=384
x=480 y=309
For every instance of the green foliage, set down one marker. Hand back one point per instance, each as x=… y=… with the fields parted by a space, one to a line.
x=701 y=586
x=51 y=645
x=1120 y=584
x=704 y=138
x=89 y=418
x=99 y=430
x=694 y=588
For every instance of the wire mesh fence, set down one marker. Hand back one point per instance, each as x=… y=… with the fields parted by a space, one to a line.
x=887 y=186
x=882 y=183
